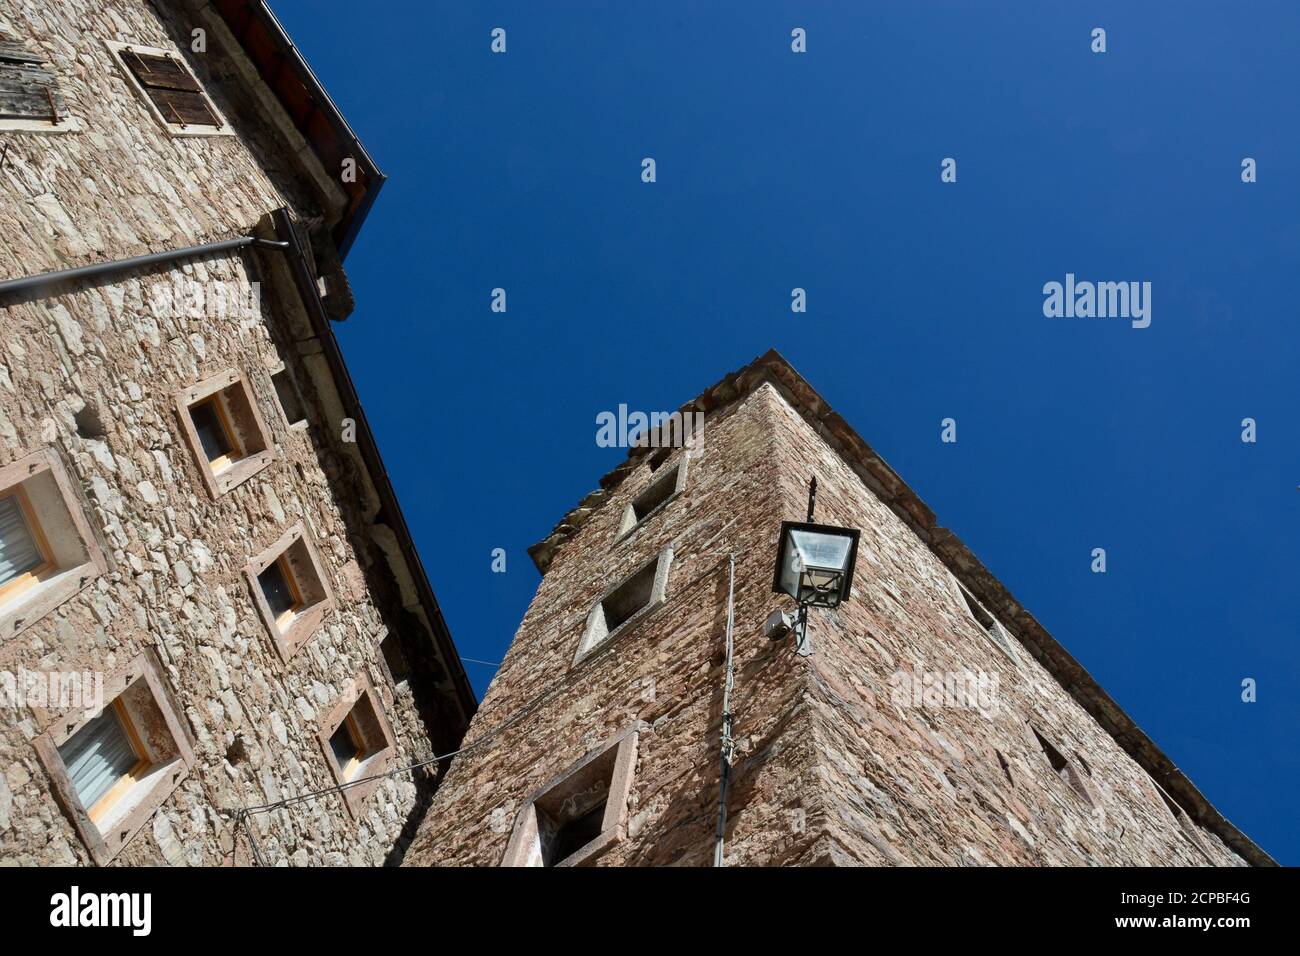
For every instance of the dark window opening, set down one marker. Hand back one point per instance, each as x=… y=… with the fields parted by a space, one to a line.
x=287 y=393
x=1064 y=769
x=630 y=596
x=344 y=745
x=395 y=658
x=659 y=457
x=213 y=434
x=577 y=833
x=278 y=590
x=654 y=496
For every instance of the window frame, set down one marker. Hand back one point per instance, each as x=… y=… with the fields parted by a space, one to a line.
x=65 y=122
x=55 y=585
x=998 y=635
x=308 y=618
x=118 y=48
x=524 y=843
x=302 y=423
x=160 y=779
x=375 y=758
x=587 y=648
x=629 y=523
x=250 y=463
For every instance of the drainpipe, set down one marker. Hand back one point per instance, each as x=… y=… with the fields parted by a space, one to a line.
x=46 y=279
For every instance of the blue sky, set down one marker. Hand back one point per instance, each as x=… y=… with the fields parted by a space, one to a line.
x=822 y=171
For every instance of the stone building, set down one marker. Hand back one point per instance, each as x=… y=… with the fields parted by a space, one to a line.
x=209 y=599
x=598 y=742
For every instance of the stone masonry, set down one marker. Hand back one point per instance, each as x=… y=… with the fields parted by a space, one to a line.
x=89 y=372
x=832 y=768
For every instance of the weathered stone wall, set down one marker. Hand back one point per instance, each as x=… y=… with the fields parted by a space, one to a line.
x=115 y=352
x=923 y=784
x=830 y=770
x=664 y=670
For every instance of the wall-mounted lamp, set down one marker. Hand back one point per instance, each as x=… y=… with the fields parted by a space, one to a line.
x=814 y=565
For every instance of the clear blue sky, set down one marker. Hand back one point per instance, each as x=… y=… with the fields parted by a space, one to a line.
x=821 y=171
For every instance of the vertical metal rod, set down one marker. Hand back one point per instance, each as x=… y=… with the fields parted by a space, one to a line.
x=727 y=744
x=812 y=498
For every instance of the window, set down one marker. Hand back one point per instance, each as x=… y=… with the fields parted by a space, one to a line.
x=578 y=816
x=357 y=741
x=281 y=593
x=29 y=94
x=1064 y=769
x=169 y=89
x=48 y=552
x=115 y=765
x=105 y=759
x=660 y=492
x=224 y=430
x=291 y=591
x=348 y=747
x=25 y=555
x=987 y=623
x=1185 y=822
x=630 y=601
x=291 y=404
x=395 y=658
x=216 y=433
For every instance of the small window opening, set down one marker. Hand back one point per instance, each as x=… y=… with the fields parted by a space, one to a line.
x=987 y=622
x=568 y=820
x=290 y=401
x=630 y=597
x=646 y=588
x=660 y=491
x=347 y=746
x=282 y=593
x=395 y=658
x=1064 y=769
x=358 y=737
x=216 y=434
x=171 y=88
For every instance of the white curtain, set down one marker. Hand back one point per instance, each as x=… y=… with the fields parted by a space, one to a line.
x=98 y=756
x=18 y=550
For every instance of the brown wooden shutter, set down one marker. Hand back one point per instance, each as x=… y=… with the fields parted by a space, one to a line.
x=27 y=89
x=168 y=84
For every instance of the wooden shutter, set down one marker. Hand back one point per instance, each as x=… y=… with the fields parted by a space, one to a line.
x=27 y=89
x=168 y=84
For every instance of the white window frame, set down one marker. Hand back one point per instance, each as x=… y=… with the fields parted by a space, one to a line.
x=629 y=523
x=592 y=641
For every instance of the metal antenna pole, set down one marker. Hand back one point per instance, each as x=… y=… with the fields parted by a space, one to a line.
x=728 y=746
